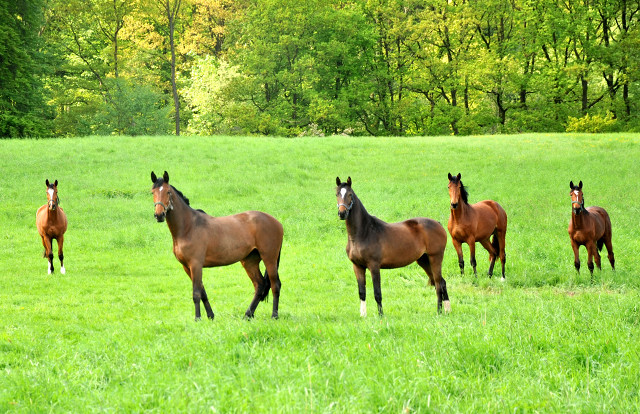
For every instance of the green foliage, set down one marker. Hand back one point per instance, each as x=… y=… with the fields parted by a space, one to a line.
x=591 y=124
x=116 y=333
x=22 y=110
x=133 y=110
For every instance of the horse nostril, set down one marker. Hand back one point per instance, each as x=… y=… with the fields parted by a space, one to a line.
x=454 y=205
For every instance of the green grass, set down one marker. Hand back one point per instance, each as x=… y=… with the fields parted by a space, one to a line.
x=116 y=333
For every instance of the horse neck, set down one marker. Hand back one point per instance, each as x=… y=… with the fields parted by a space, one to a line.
x=461 y=211
x=578 y=219
x=179 y=218
x=53 y=215
x=358 y=219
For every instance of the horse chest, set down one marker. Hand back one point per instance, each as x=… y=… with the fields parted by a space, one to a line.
x=358 y=253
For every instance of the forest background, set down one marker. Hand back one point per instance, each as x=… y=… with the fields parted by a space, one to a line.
x=317 y=67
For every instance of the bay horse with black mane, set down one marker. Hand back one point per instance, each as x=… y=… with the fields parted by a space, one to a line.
x=200 y=240
x=374 y=245
x=589 y=227
x=52 y=224
x=469 y=223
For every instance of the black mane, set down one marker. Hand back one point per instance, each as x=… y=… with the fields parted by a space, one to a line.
x=463 y=193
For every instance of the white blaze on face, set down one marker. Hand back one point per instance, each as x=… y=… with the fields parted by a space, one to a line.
x=575 y=192
x=50 y=191
x=343 y=193
x=161 y=188
x=363 y=308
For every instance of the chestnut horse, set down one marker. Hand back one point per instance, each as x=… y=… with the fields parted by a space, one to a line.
x=200 y=240
x=374 y=245
x=52 y=223
x=589 y=227
x=469 y=223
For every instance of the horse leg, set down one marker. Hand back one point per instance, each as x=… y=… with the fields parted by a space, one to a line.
x=501 y=247
x=198 y=288
x=251 y=265
x=492 y=254
x=576 y=255
x=203 y=296
x=458 y=246
x=362 y=288
x=432 y=266
x=377 y=292
x=472 y=254
x=591 y=247
x=60 y=254
x=271 y=272
x=609 y=246
x=47 y=242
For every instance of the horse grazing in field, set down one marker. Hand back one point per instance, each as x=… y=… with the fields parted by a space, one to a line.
x=200 y=240
x=374 y=245
x=52 y=223
x=469 y=223
x=589 y=227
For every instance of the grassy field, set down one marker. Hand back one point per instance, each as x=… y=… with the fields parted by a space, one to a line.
x=116 y=333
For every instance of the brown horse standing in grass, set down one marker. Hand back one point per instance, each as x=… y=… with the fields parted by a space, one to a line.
x=374 y=245
x=589 y=227
x=52 y=223
x=200 y=240
x=478 y=222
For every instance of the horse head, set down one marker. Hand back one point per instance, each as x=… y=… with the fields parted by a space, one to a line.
x=52 y=195
x=457 y=192
x=345 y=197
x=161 y=191
x=577 y=198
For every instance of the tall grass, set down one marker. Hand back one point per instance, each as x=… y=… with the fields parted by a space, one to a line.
x=116 y=333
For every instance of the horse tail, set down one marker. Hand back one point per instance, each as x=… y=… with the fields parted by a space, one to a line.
x=495 y=242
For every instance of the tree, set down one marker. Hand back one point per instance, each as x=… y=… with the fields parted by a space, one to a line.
x=22 y=108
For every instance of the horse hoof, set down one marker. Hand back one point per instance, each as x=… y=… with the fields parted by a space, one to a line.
x=275 y=316
x=503 y=279
x=62 y=271
x=197 y=319
x=447 y=306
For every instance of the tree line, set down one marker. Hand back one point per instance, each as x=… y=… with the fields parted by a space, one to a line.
x=318 y=67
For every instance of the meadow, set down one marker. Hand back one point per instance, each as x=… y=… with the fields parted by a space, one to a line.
x=116 y=333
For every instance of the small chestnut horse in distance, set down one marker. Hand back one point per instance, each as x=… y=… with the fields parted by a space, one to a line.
x=589 y=227
x=200 y=240
x=374 y=245
x=469 y=223
x=52 y=223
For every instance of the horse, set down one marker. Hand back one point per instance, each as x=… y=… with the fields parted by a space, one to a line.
x=374 y=245
x=52 y=224
x=200 y=240
x=589 y=227
x=469 y=223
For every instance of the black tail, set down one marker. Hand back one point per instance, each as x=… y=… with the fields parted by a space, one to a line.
x=495 y=243
x=266 y=282
x=600 y=243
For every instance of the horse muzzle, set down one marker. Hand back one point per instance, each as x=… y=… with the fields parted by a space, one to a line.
x=454 y=205
x=160 y=217
x=52 y=206
x=343 y=214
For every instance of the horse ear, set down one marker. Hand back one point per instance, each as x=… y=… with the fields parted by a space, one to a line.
x=55 y=184
x=458 y=176
x=450 y=177
x=153 y=177
x=580 y=185
x=165 y=177
x=571 y=184
x=47 y=182
x=338 y=182
x=349 y=181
